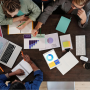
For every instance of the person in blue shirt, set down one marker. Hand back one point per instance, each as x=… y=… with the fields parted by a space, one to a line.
x=18 y=85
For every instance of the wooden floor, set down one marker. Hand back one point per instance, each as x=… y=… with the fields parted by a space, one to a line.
x=78 y=86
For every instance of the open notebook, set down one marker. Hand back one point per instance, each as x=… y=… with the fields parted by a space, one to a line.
x=12 y=29
x=24 y=66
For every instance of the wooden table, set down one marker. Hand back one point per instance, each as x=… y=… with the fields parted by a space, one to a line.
x=78 y=73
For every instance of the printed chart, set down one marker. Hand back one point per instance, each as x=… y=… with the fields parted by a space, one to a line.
x=51 y=59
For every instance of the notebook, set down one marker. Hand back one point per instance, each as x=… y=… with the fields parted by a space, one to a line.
x=63 y=24
x=24 y=66
x=67 y=62
x=12 y=29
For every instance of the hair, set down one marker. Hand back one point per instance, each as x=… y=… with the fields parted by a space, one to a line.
x=17 y=86
x=80 y=2
x=10 y=5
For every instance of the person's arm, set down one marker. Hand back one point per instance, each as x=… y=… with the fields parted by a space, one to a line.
x=37 y=73
x=4 y=78
x=46 y=13
x=35 y=10
x=83 y=22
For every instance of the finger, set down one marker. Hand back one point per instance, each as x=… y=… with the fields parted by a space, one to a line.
x=79 y=11
x=78 y=14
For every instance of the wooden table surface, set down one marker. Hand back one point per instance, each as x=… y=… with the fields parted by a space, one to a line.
x=78 y=73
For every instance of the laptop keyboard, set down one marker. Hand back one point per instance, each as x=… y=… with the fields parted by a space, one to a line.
x=7 y=54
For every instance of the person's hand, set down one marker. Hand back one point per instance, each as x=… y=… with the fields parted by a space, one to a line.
x=81 y=13
x=23 y=18
x=34 y=32
x=27 y=58
x=19 y=72
x=22 y=26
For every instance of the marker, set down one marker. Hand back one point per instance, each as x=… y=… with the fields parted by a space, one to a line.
x=21 y=24
x=1 y=69
x=40 y=31
x=22 y=54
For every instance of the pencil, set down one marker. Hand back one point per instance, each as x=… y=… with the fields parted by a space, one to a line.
x=1 y=69
x=22 y=54
x=21 y=24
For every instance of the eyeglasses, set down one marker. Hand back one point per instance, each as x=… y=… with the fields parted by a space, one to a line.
x=75 y=6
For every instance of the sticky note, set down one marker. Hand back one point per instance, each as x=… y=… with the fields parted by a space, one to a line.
x=66 y=44
x=63 y=24
x=52 y=64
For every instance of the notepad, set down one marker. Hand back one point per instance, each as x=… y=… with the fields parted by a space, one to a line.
x=12 y=29
x=24 y=66
x=63 y=24
x=67 y=62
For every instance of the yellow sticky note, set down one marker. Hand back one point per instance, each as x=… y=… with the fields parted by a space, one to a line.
x=52 y=64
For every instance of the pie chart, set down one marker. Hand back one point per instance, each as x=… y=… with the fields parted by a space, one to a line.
x=49 y=57
x=50 y=40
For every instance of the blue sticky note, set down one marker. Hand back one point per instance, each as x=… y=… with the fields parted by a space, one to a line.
x=63 y=24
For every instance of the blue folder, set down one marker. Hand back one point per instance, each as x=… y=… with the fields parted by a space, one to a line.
x=63 y=24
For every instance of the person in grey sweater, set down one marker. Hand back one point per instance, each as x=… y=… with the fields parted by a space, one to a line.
x=81 y=8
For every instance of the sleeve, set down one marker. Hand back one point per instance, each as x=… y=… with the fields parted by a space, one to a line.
x=49 y=10
x=86 y=23
x=3 y=79
x=3 y=20
x=35 y=10
x=37 y=81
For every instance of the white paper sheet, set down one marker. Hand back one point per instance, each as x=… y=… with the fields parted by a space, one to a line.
x=51 y=41
x=67 y=62
x=64 y=38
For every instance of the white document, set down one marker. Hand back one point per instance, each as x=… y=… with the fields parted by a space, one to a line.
x=24 y=66
x=51 y=58
x=31 y=42
x=64 y=38
x=52 y=41
x=67 y=62
x=12 y=29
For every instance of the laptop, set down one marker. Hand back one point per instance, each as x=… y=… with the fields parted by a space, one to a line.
x=8 y=52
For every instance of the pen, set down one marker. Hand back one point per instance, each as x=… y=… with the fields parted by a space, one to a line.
x=21 y=24
x=22 y=54
x=42 y=6
x=1 y=69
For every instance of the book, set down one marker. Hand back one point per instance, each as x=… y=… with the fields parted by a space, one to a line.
x=63 y=24
x=67 y=62
x=12 y=29
x=24 y=66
